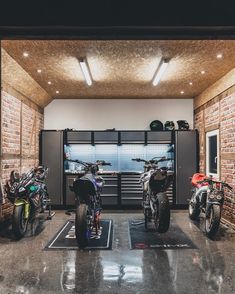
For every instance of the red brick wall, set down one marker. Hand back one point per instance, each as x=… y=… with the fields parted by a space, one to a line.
x=220 y=113
x=20 y=137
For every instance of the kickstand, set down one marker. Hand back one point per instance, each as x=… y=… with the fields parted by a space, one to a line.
x=70 y=211
x=50 y=213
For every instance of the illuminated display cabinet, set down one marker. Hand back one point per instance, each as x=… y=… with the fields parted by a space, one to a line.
x=122 y=188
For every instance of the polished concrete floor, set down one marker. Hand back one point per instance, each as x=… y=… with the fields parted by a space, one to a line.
x=26 y=268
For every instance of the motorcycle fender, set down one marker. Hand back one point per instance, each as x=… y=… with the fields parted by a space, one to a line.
x=25 y=203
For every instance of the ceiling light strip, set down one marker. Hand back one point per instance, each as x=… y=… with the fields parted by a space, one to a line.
x=160 y=71
x=85 y=71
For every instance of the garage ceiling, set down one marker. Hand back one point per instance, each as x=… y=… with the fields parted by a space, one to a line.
x=124 y=69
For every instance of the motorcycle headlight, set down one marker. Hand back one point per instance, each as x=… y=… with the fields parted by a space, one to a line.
x=211 y=196
x=219 y=196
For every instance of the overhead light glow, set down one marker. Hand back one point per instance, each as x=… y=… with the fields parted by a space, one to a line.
x=219 y=55
x=25 y=54
x=49 y=82
x=160 y=71
x=190 y=83
x=57 y=92
x=181 y=92
x=39 y=70
x=202 y=72
x=85 y=71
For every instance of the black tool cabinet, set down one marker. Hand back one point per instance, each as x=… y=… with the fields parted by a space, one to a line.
x=122 y=189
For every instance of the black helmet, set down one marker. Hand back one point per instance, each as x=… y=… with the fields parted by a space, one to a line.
x=169 y=125
x=156 y=125
x=183 y=125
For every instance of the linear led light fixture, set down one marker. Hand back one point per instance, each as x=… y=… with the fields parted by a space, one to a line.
x=160 y=71
x=85 y=71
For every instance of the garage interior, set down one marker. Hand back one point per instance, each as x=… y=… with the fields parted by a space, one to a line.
x=44 y=94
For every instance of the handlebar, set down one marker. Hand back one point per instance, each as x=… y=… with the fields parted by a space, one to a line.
x=139 y=160
x=98 y=162
x=151 y=161
x=211 y=181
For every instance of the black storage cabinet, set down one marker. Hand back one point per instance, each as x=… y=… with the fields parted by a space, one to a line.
x=51 y=155
x=186 y=164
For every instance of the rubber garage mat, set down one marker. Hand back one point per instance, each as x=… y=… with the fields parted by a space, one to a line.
x=174 y=238
x=65 y=237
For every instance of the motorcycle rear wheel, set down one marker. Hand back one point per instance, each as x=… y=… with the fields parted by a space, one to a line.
x=19 y=223
x=212 y=221
x=81 y=226
x=162 y=221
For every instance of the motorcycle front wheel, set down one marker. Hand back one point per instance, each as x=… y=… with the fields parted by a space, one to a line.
x=81 y=226
x=19 y=223
x=193 y=209
x=212 y=222
x=162 y=219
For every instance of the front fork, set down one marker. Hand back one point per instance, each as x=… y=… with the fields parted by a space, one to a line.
x=26 y=206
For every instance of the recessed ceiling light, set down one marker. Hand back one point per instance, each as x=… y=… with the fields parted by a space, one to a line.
x=202 y=72
x=57 y=92
x=190 y=83
x=39 y=70
x=219 y=55
x=25 y=54
x=49 y=82
x=181 y=92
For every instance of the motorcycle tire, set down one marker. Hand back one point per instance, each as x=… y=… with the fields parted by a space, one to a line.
x=81 y=226
x=19 y=223
x=147 y=218
x=162 y=221
x=212 y=221
x=193 y=210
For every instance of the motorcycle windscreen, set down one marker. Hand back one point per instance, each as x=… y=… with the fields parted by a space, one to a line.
x=83 y=188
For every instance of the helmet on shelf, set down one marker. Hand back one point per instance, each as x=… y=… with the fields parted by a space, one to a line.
x=169 y=125
x=156 y=125
x=183 y=125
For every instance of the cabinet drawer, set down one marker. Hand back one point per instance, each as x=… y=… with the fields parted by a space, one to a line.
x=79 y=137
x=133 y=137
x=106 y=137
x=109 y=200
x=159 y=137
x=112 y=189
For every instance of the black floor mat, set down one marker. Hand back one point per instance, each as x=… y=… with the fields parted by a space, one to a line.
x=174 y=238
x=65 y=237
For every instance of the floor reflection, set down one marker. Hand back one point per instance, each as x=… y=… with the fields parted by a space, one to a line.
x=211 y=263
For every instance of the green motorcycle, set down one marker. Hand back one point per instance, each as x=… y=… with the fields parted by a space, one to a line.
x=29 y=195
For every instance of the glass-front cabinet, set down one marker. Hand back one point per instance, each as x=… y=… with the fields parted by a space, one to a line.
x=122 y=185
x=120 y=157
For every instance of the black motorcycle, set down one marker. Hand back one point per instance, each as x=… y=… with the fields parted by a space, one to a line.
x=207 y=197
x=155 y=182
x=29 y=195
x=87 y=188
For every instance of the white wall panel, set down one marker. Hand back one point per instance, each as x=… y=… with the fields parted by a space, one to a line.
x=122 y=114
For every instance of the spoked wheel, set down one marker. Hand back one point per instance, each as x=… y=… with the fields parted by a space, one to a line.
x=81 y=226
x=19 y=222
x=162 y=219
x=193 y=209
x=212 y=222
